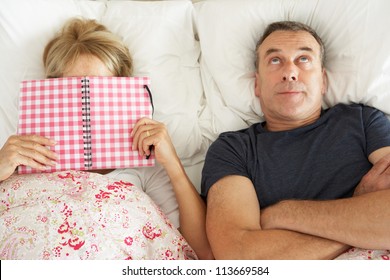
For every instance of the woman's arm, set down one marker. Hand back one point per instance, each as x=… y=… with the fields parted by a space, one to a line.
x=148 y=133
x=192 y=210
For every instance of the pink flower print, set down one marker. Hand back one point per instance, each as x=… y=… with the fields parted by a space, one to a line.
x=4 y=205
x=8 y=221
x=151 y=232
x=94 y=248
x=76 y=243
x=64 y=227
x=75 y=192
x=168 y=254
x=57 y=251
x=65 y=243
x=128 y=241
x=46 y=255
x=66 y=211
x=124 y=183
x=112 y=187
x=68 y=175
x=43 y=219
x=385 y=257
x=102 y=195
x=22 y=229
x=16 y=185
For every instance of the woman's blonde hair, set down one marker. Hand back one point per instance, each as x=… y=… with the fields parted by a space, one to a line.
x=86 y=37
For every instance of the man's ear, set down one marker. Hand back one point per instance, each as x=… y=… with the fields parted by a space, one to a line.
x=257 y=84
x=324 y=82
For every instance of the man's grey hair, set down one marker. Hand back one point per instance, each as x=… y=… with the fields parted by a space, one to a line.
x=290 y=26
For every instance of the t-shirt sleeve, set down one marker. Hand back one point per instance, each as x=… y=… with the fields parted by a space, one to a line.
x=226 y=156
x=377 y=129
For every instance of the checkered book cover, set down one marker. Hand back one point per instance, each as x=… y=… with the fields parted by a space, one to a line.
x=90 y=118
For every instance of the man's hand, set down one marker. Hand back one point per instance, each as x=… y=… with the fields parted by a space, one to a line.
x=378 y=178
x=30 y=150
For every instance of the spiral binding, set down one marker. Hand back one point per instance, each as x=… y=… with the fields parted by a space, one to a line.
x=86 y=118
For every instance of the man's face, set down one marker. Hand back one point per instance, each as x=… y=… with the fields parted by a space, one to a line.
x=290 y=81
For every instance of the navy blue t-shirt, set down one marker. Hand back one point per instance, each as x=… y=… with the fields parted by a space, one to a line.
x=324 y=160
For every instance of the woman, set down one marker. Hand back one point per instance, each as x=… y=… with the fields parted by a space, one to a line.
x=87 y=48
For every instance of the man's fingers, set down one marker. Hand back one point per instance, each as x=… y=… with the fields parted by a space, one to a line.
x=381 y=166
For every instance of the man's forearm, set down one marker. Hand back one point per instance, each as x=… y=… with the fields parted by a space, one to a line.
x=362 y=221
x=235 y=231
x=284 y=244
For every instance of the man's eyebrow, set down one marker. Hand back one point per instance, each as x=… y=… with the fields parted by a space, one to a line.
x=308 y=49
x=274 y=50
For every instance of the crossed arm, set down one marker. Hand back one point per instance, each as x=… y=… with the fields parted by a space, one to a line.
x=299 y=229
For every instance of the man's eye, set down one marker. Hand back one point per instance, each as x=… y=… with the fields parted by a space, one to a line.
x=304 y=59
x=275 y=60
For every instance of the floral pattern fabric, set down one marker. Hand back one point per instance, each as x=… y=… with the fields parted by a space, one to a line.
x=364 y=254
x=82 y=215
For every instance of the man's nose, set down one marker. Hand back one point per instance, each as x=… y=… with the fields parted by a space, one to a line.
x=290 y=73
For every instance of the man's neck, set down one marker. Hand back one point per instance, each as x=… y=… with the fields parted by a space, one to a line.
x=284 y=125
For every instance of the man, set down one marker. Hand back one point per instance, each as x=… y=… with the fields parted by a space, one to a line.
x=306 y=183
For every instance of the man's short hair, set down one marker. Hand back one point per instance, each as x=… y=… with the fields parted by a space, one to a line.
x=290 y=26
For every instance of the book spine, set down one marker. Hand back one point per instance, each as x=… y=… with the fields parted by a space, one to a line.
x=86 y=115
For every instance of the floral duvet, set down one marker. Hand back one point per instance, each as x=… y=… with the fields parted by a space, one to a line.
x=81 y=215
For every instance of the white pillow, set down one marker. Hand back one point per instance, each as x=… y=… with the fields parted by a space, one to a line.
x=355 y=34
x=160 y=37
x=25 y=28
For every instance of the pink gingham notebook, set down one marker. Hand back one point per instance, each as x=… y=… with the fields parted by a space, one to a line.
x=90 y=118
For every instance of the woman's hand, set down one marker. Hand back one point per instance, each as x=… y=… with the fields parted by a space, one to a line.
x=30 y=150
x=149 y=133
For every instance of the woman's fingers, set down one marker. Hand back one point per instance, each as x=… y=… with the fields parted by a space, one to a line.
x=140 y=124
x=145 y=138
x=148 y=133
x=38 y=154
x=36 y=148
x=143 y=129
x=29 y=150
